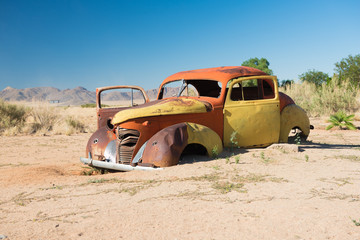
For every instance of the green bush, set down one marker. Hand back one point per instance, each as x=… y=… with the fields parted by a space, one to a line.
x=93 y=105
x=341 y=120
x=89 y=105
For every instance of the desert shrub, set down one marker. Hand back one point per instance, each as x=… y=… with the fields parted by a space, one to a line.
x=341 y=120
x=11 y=115
x=42 y=118
x=93 y=105
x=89 y=105
x=46 y=119
x=74 y=125
x=326 y=99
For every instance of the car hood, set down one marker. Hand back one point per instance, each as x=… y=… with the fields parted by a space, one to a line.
x=171 y=106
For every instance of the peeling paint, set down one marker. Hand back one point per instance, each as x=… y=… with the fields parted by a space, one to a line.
x=172 y=106
x=156 y=133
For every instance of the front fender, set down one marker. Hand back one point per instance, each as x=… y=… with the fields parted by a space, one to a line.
x=165 y=147
x=293 y=116
x=101 y=145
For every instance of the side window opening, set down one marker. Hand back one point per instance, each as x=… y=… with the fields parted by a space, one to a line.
x=206 y=88
x=252 y=89
x=268 y=90
x=236 y=93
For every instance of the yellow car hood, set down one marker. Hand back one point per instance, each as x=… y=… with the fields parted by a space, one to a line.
x=166 y=107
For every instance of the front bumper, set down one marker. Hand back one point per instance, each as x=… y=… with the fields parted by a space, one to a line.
x=115 y=166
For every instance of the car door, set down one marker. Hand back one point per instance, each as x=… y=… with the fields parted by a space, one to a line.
x=252 y=112
x=111 y=100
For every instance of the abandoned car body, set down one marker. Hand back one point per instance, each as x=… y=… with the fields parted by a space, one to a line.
x=213 y=108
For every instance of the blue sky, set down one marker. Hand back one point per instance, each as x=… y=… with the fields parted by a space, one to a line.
x=65 y=44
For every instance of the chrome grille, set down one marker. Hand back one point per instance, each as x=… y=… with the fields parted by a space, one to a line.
x=127 y=139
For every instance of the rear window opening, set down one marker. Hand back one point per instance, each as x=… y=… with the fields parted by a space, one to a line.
x=252 y=89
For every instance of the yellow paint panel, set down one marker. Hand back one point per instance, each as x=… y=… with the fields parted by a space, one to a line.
x=252 y=124
x=293 y=116
x=249 y=123
x=205 y=136
x=166 y=107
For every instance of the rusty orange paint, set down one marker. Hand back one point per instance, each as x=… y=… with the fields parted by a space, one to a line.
x=221 y=74
x=166 y=146
x=285 y=100
x=207 y=111
x=213 y=119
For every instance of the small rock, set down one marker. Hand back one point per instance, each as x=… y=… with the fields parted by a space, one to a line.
x=284 y=147
x=2 y=236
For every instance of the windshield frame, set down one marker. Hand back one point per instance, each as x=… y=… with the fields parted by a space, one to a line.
x=201 y=86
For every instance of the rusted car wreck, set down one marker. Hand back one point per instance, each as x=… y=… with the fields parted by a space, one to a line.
x=212 y=109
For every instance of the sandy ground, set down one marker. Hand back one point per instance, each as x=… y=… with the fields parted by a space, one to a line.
x=249 y=194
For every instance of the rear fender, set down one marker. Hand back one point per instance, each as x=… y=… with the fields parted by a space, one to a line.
x=293 y=116
x=165 y=147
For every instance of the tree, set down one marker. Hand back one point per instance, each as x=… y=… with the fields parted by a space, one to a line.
x=314 y=76
x=286 y=83
x=349 y=69
x=261 y=64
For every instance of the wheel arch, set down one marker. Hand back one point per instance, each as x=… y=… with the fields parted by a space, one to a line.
x=293 y=116
x=205 y=136
x=166 y=146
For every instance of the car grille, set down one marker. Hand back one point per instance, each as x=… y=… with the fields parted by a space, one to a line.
x=127 y=139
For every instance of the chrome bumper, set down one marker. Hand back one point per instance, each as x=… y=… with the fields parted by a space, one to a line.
x=115 y=166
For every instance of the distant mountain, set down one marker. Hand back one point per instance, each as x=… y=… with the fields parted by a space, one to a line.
x=76 y=96
x=27 y=94
x=152 y=94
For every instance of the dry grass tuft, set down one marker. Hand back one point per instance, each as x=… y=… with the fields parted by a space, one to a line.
x=326 y=99
x=74 y=125
x=12 y=117
x=43 y=119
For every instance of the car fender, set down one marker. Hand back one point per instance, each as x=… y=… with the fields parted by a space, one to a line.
x=101 y=145
x=293 y=116
x=166 y=146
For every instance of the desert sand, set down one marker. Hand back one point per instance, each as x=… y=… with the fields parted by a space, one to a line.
x=266 y=193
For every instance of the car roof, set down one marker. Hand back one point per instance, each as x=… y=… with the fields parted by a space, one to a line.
x=222 y=74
